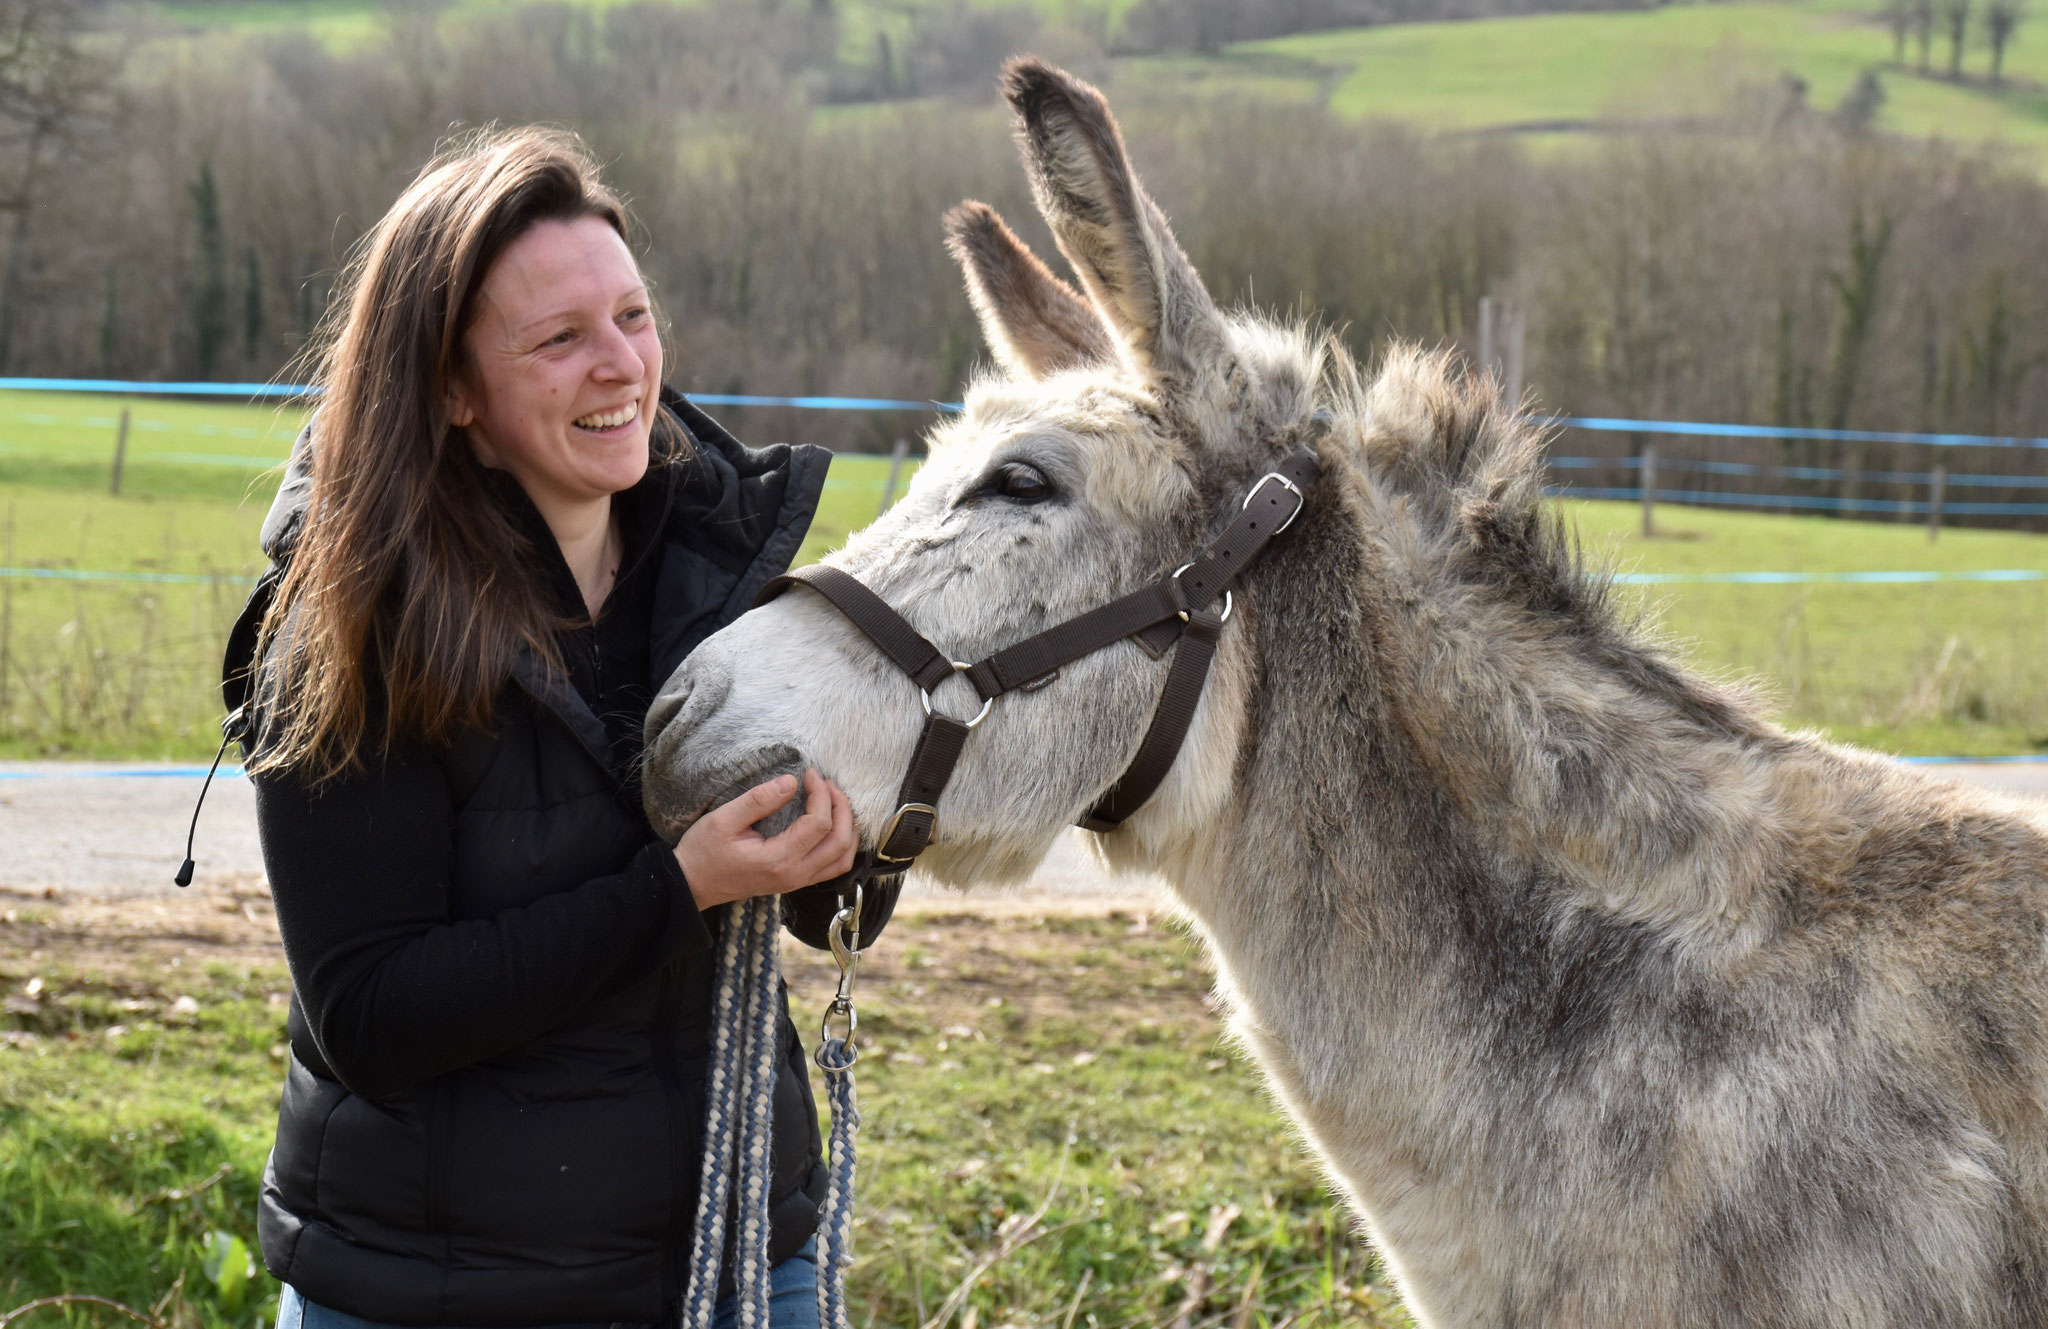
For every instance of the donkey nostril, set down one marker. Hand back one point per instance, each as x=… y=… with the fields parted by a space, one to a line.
x=689 y=698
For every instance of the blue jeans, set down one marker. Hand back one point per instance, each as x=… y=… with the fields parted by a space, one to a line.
x=792 y=1303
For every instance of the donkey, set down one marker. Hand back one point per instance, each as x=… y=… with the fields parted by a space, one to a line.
x=1604 y=1000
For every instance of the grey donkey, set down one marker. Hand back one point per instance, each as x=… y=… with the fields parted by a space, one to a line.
x=1604 y=1000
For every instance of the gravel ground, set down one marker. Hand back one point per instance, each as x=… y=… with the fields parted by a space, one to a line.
x=119 y=831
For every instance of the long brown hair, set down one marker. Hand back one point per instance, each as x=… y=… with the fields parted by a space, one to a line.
x=412 y=584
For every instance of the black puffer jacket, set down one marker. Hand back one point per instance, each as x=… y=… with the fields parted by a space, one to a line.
x=502 y=988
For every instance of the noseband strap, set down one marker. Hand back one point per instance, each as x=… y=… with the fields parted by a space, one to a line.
x=1177 y=607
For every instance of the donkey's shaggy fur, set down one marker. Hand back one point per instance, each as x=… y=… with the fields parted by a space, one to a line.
x=1605 y=1001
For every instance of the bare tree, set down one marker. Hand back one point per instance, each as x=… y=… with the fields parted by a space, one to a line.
x=1922 y=18
x=1898 y=17
x=1858 y=290
x=1857 y=111
x=2001 y=19
x=52 y=89
x=1955 y=25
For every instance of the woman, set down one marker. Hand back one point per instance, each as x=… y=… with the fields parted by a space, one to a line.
x=499 y=537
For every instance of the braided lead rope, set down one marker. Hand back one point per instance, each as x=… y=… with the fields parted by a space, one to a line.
x=835 y=1220
x=756 y=1164
x=721 y=1086
x=739 y=1119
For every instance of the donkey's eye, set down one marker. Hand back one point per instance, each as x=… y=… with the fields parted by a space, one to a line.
x=1020 y=482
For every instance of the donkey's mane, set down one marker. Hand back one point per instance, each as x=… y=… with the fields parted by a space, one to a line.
x=1451 y=475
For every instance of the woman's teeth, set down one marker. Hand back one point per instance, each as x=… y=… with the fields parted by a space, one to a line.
x=610 y=419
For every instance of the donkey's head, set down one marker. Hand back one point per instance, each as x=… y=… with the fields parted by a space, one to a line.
x=1125 y=419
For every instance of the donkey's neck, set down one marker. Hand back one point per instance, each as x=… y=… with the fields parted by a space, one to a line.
x=1465 y=845
x=1429 y=771
x=1534 y=728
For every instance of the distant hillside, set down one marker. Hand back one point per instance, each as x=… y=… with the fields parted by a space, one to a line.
x=1657 y=68
x=1676 y=67
x=1767 y=255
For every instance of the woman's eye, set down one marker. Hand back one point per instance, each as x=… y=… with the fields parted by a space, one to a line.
x=1022 y=482
x=562 y=338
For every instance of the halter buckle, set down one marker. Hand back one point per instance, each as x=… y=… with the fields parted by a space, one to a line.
x=889 y=831
x=1300 y=499
x=1227 y=603
x=982 y=714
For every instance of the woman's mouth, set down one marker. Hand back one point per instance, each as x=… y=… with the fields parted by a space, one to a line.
x=599 y=422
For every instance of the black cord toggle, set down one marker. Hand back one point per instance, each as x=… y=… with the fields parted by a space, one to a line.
x=231 y=729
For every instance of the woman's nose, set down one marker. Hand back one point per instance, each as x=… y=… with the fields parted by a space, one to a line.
x=619 y=360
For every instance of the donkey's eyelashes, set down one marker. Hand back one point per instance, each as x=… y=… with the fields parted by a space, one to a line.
x=1017 y=481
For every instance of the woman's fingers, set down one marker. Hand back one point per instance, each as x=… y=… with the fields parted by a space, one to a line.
x=843 y=832
x=724 y=858
x=817 y=819
x=788 y=847
x=736 y=816
x=833 y=855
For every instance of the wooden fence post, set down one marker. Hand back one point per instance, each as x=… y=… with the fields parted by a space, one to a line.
x=1937 y=491
x=1649 y=482
x=120 y=453
x=896 y=456
x=1513 y=326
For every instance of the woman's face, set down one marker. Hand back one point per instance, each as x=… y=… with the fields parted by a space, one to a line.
x=564 y=367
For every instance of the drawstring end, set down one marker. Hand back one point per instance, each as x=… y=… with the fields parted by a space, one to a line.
x=231 y=729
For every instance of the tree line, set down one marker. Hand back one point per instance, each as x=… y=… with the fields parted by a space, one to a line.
x=1959 y=23
x=185 y=213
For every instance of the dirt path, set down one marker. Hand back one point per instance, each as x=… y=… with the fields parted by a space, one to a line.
x=951 y=963
x=119 y=831
x=85 y=888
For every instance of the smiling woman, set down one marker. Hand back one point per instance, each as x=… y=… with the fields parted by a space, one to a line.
x=497 y=538
x=565 y=340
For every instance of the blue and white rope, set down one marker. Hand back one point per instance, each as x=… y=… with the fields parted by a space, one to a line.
x=721 y=1083
x=739 y=1133
x=764 y=992
x=835 y=1221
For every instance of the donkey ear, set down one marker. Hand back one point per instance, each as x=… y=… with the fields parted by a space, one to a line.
x=1035 y=323
x=1106 y=225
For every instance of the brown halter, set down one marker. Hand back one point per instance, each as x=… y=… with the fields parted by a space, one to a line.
x=1174 y=608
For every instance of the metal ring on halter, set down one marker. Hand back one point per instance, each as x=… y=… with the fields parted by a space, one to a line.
x=960 y=668
x=1226 y=597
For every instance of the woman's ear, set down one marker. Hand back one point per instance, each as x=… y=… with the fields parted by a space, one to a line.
x=459 y=404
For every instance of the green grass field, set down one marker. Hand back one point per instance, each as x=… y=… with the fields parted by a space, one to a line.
x=349 y=23
x=1930 y=668
x=1090 y=1180
x=1673 y=60
x=128 y=669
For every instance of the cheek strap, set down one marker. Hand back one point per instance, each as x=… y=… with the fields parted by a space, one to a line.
x=1176 y=608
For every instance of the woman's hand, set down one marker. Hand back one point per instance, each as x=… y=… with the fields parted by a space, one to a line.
x=724 y=858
